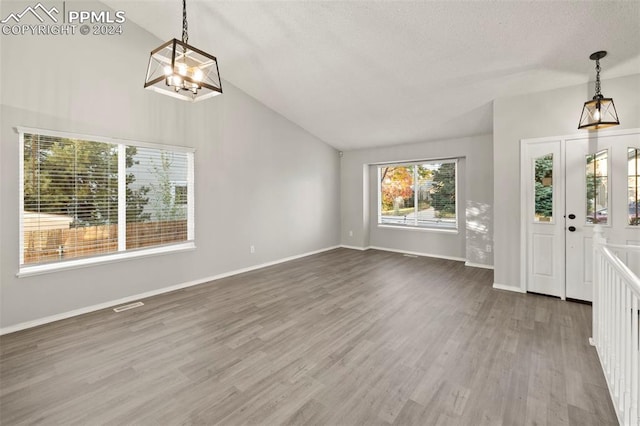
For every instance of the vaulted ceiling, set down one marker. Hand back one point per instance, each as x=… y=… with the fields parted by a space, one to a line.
x=371 y=73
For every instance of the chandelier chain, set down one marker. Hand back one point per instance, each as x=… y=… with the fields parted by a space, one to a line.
x=598 y=93
x=185 y=26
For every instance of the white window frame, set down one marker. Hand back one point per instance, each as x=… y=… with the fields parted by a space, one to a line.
x=431 y=228
x=122 y=253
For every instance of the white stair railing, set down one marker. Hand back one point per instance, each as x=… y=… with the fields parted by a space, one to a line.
x=616 y=296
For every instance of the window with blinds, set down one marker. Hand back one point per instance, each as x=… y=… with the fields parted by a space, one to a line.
x=157 y=180
x=89 y=198
x=420 y=194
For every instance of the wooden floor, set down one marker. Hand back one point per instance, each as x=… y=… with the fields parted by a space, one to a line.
x=343 y=337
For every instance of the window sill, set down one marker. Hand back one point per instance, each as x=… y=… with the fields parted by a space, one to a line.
x=453 y=231
x=31 y=270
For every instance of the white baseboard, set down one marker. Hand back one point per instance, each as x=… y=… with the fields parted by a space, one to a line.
x=93 y=308
x=416 y=253
x=478 y=265
x=438 y=256
x=508 y=288
x=354 y=247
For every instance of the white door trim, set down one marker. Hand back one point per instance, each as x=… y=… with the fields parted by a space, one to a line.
x=523 y=179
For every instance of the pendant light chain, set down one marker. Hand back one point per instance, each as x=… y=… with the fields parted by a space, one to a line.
x=598 y=93
x=185 y=26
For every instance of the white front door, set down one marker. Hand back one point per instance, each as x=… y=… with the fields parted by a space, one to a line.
x=568 y=185
x=598 y=191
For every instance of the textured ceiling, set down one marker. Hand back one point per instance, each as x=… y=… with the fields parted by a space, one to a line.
x=371 y=73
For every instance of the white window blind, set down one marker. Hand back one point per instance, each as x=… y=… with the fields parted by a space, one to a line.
x=89 y=197
x=420 y=194
x=156 y=216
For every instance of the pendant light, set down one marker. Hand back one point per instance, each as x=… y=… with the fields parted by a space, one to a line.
x=180 y=70
x=600 y=112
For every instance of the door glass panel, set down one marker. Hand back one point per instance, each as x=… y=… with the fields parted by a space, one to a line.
x=543 y=183
x=597 y=193
x=633 y=208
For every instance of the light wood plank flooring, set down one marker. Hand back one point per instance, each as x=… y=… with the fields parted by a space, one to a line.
x=342 y=337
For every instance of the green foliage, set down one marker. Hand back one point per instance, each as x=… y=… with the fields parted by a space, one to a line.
x=443 y=190
x=543 y=194
x=163 y=196
x=544 y=200
x=77 y=179
x=424 y=173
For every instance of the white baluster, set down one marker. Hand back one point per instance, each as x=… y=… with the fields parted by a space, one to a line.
x=635 y=368
x=619 y=315
x=616 y=325
x=626 y=354
x=596 y=326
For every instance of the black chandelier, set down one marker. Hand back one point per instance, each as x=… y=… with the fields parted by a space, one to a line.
x=180 y=70
x=599 y=112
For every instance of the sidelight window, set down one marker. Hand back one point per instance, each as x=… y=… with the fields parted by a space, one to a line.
x=633 y=160
x=543 y=184
x=597 y=201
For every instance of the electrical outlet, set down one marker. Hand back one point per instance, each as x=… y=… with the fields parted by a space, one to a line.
x=488 y=248
x=351 y=233
x=252 y=249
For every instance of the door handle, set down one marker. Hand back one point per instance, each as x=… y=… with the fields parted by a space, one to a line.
x=572 y=216
x=572 y=229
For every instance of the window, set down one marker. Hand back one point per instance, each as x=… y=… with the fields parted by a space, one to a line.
x=543 y=184
x=633 y=157
x=87 y=198
x=597 y=208
x=421 y=194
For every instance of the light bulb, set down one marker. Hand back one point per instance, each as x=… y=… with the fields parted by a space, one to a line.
x=596 y=115
x=182 y=69
x=177 y=81
x=167 y=70
x=197 y=74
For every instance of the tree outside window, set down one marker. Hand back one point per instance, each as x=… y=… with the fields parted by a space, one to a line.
x=418 y=195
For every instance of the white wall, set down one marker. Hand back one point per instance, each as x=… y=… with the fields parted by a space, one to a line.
x=260 y=179
x=475 y=195
x=550 y=113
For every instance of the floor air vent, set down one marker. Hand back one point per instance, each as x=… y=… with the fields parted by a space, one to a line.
x=127 y=307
